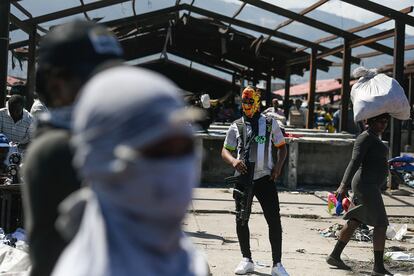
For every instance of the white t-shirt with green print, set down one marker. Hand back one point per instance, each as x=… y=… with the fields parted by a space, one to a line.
x=269 y=135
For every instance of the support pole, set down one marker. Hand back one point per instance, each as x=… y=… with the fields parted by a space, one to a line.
x=312 y=88
x=233 y=84
x=269 y=90
x=4 y=47
x=287 y=93
x=345 y=91
x=399 y=44
x=31 y=69
x=411 y=100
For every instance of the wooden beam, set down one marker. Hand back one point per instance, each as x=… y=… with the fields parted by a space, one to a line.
x=369 y=40
x=411 y=101
x=22 y=9
x=18 y=44
x=31 y=69
x=399 y=42
x=376 y=53
x=73 y=11
x=314 y=23
x=28 y=14
x=200 y=11
x=4 y=46
x=114 y=23
x=312 y=87
x=23 y=25
x=131 y=19
x=382 y=10
x=204 y=59
x=287 y=93
x=346 y=88
x=250 y=26
x=303 y=12
x=269 y=90
x=358 y=28
x=260 y=29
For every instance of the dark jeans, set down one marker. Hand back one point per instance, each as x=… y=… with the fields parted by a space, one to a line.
x=266 y=193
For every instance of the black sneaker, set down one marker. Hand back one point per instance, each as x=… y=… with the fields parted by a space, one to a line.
x=381 y=273
x=337 y=263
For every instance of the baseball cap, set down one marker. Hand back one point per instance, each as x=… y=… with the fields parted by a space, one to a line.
x=4 y=141
x=76 y=44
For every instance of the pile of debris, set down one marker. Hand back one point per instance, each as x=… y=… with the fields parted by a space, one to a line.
x=365 y=233
x=362 y=233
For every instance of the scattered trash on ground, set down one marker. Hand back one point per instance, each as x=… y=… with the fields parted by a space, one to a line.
x=14 y=253
x=365 y=233
x=400 y=256
x=396 y=248
x=260 y=264
x=362 y=233
x=332 y=231
x=16 y=239
x=395 y=233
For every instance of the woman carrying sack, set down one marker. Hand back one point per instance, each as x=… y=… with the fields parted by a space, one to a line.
x=375 y=98
x=367 y=170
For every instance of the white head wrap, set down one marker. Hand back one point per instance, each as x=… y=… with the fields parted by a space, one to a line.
x=133 y=214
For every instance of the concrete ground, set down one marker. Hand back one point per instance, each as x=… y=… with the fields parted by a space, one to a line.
x=210 y=224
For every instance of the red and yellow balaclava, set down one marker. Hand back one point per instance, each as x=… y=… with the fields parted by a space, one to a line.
x=250 y=101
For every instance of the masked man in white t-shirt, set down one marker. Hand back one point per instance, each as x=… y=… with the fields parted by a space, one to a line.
x=261 y=151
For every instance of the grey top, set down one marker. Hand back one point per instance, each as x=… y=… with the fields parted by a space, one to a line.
x=368 y=171
x=370 y=156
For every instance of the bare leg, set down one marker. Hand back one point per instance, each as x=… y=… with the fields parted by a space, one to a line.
x=348 y=230
x=345 y=235
x=379 y=245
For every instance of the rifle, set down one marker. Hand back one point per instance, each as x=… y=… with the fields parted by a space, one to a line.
x=243 y=183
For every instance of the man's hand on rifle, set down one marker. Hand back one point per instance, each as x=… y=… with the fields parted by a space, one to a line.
x=239 y=166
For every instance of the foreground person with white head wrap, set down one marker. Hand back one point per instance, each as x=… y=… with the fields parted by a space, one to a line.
x=136 y=154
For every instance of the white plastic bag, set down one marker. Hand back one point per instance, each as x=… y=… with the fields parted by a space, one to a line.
x=394 y=234
x=205 y=100
x=375 y=94
x=13 y=261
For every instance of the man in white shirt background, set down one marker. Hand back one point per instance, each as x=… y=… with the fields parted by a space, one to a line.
x=16 y=122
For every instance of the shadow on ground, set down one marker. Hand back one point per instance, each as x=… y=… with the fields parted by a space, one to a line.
x=205 y=235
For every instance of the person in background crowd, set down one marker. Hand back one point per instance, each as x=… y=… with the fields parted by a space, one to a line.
x=16 y=122
x=368 y=171
x=298 y=115
x=267 y=149
x=18 y=89
x=276 y=112
x=139 y=175
x=48 y=172
x=38 y=107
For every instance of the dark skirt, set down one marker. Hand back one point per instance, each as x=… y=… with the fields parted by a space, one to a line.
x=369 y=205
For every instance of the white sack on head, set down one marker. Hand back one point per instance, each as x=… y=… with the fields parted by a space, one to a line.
x=375 y=94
